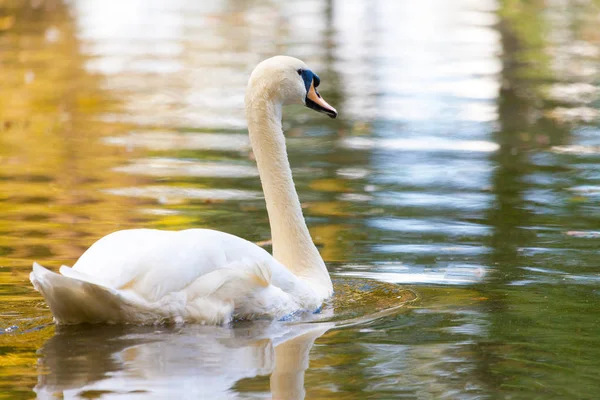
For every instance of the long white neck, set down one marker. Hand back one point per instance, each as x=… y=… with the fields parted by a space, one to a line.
x=292 y=245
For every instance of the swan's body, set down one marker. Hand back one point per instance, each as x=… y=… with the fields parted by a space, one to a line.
x=200 y=275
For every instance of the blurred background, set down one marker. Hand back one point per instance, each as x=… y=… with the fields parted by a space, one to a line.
x=464 y=165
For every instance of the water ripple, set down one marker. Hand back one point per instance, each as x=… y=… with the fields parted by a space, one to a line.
x=168 y=194
x=447 y=227
x=177 y=167
x=451 y=275
x=431 y=144
x=177 y=141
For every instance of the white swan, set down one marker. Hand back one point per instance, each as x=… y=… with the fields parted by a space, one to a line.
x=198 y=275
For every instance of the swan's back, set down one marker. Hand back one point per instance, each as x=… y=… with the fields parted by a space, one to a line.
x=154 y=263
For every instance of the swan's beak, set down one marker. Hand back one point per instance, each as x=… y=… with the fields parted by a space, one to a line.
x=317 y=103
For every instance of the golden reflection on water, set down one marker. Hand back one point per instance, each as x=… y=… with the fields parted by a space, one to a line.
x=52 y=165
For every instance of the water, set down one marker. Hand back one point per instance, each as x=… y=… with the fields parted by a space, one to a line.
x=460 y=184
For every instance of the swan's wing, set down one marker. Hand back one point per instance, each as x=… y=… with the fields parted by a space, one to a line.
x=153 y=263
x=75 y=301
x=81 y=276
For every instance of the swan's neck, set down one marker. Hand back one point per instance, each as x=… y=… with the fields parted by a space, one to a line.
x=292 y=245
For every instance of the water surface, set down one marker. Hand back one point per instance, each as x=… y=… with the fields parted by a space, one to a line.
x=464 y=169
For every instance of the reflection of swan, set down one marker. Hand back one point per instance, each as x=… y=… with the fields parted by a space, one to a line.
x=201 y=362
x=202 y=275
x=190 y=361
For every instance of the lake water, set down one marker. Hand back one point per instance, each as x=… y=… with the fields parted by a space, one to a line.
x=455 y=200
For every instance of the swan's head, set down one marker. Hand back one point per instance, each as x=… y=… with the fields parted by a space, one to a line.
x=289 y=81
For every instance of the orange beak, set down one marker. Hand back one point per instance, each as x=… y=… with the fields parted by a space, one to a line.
x=317 y=103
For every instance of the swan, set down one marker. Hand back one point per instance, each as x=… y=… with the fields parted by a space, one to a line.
x=146 y=276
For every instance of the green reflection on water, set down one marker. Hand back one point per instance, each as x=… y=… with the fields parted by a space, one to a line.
x=502 y=247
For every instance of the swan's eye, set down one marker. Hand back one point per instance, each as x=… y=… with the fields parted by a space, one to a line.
x=300 y=71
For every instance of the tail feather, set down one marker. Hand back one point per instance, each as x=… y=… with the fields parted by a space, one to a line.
x=75 y=301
